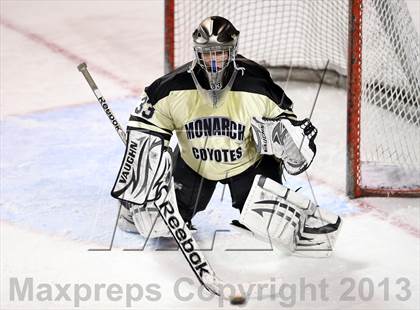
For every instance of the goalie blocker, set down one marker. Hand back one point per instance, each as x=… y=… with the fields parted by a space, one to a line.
x=276 y=214
x=145 y=169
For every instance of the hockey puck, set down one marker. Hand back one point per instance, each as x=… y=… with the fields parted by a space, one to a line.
x=237 y=300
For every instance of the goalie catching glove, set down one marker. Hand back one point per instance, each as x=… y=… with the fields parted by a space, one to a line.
x=275 y=213
x=145 y=171
x=290 y=140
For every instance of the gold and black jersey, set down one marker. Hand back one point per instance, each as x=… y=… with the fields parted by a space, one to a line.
x=215 y=141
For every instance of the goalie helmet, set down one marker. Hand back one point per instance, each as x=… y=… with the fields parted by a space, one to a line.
x=215 y=44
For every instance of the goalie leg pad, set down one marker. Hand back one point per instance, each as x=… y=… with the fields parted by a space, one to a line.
x=125 y=221
x=148 y=221
x=274 y=212
x=319 y=234
x=144 y=220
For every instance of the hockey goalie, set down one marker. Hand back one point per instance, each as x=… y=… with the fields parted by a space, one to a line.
x=234 y=125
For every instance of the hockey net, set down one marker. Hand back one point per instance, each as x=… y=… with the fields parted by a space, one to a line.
x=372 y=49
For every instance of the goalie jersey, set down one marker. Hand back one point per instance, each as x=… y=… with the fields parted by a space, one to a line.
x=215 y=141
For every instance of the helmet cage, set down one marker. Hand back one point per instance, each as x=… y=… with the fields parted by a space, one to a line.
x=214 y=60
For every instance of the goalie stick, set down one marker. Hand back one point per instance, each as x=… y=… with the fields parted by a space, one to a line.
x=170 y=215
x=83 y=69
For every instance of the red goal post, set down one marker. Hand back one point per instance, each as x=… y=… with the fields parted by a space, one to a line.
x=373 y=50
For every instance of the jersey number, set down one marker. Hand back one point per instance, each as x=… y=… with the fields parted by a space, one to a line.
x=148 y=111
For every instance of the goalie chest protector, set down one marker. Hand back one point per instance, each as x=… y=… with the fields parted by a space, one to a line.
x=215 y=141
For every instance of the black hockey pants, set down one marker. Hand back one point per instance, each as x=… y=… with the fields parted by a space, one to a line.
x=193 y=192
